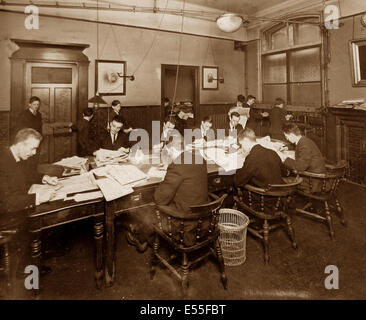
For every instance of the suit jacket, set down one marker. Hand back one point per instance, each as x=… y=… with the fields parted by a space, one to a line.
x=209 y=135
x=277 y=118
x=85 y=144
x=184 y=185
x=308 y=158
x=28 y=120
x=254 y=119
x=122 y=140
x=262 y=166
x=14 y=184
x=235 y=132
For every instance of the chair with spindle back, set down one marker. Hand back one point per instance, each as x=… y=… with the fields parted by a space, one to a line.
x=326 y=196
x=268 y=204
x=189 y=234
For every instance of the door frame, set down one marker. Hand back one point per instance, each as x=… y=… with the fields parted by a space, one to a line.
x=196 y=70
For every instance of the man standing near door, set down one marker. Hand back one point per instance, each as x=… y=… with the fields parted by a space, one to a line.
x=31 y=117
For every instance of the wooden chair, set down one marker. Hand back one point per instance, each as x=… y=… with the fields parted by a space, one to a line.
x=268 y=204
x=188 y=235
x=5 y=239
x=326 y=197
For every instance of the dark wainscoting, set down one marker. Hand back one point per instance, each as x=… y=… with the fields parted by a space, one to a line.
x=4 y=128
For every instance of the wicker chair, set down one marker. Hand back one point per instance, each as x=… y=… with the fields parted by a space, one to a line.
x=268 y=204
x=326 y=199
x=186 y=235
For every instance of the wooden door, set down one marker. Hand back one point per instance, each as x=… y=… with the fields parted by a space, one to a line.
x=187 y=88
x=56 y=85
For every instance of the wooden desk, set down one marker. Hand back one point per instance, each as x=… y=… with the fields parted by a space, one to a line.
x=57 y=213
x=143 y=197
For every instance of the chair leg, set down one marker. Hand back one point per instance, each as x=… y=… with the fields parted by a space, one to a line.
x=291 y=232
x=185 y=270
x=329 y=219
x=341 y=212
x=221 y=263
x=265 y=240
x=154 y=259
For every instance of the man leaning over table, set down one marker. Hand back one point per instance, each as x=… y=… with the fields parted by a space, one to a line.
x=14 y=186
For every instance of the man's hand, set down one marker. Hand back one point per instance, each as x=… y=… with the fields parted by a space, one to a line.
x=158 y=146
x=49 y=180
x=265 y=114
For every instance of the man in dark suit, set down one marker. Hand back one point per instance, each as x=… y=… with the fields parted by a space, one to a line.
x=255 y=116
x=277 y=118
x=31 y=117
x=203 y=133
x=233 y=127
x=184 y=185
x=85 y=143
x=307 y=156
x=261 y=167
x=115 y=138
x=116 y=110
x=14 y=184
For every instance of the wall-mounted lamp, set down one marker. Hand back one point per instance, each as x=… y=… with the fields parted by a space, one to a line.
x=210 y=79
x=132 y=78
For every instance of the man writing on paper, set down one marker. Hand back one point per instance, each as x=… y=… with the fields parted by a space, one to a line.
x=14 y=184
x=184 y=185
x=262 y=166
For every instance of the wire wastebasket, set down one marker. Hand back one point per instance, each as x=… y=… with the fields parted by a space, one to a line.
x=233 y=235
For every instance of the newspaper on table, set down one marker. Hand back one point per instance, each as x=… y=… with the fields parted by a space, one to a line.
x=227 y=161
x=74 y=162
x=66 y=186
x=105 y=157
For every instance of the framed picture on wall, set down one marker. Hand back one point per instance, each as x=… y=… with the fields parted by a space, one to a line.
x=210 y=78
x=107 y=77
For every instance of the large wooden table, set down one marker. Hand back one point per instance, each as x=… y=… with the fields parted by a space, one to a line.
x=61 y=212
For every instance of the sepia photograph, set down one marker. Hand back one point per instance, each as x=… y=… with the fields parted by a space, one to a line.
x=183 y=157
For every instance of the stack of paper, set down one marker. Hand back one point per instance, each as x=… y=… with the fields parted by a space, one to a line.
x=123 y=174
x=74 y=162
x=111 y=189
x=105 y=157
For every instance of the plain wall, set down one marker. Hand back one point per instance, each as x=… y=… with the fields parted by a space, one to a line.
x=339 y=72
x=131 y=45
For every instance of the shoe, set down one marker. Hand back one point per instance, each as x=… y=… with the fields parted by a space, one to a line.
x=131 y=240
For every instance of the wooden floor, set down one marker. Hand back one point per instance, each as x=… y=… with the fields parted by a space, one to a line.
x=290 y=275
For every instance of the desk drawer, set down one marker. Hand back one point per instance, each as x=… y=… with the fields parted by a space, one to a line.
x=219 y=182
x=139 y=198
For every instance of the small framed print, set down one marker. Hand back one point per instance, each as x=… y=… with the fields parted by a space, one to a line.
x=108 y=80
x=210 y=78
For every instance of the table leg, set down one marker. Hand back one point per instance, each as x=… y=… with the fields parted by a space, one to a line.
x=98 y=236
x=109 y=272
x=36 y=258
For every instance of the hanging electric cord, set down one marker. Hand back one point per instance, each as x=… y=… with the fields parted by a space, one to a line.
x=179 y=57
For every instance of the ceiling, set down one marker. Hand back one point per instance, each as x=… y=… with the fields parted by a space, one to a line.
x=245 y=7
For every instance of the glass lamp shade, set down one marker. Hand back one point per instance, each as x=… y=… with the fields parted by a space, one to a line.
x=229 y=22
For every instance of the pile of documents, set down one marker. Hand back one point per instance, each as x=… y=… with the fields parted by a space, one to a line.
x=227 y=161
x=116 y=181
x=104 y=157
x=73 y=165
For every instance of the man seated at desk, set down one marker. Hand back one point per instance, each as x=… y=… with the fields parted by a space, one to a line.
x=14 y=184
x=115 y=138
x=184 y=185
x=168 y=132
x=262 y=166
x=307 y=156
x=233 y=127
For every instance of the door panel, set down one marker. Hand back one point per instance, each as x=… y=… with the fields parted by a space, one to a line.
x=56 y=85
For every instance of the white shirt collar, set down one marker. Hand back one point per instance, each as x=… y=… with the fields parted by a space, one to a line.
x=32 y=111
x=12 y=150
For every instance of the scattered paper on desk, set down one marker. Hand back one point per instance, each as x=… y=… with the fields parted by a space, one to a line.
x=228 y=162
x=112 y=190
x=88 y=196
x=74 y=162
x=123 y=174
x=155 y=172
x=44 y=188
x=107 y=157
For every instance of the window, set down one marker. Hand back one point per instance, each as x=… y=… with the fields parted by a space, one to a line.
x=291 y=63
x=358 y=59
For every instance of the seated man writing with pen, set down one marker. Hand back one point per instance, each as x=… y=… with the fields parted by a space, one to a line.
x=14 y=184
